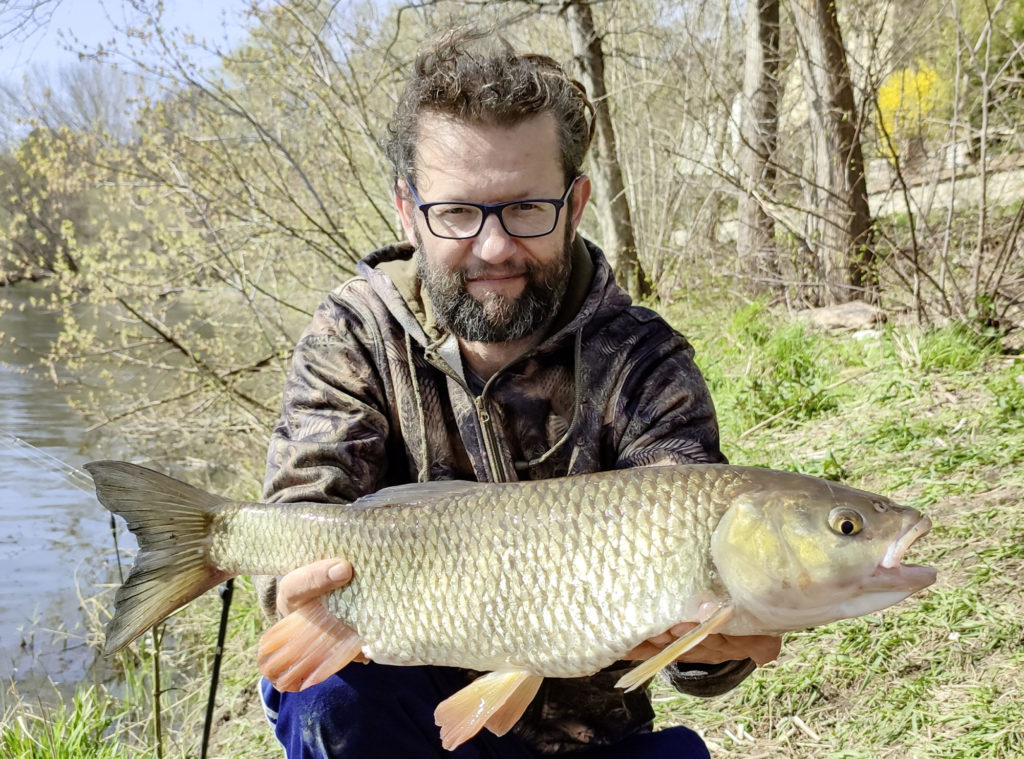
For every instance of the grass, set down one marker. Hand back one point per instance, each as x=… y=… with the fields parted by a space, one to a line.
x=119 y=720
x=931 y=418
x=69 y=730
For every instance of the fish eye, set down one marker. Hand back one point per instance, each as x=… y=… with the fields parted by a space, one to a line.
x=845 y=521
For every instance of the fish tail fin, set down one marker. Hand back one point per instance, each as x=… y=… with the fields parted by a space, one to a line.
x=171 y=521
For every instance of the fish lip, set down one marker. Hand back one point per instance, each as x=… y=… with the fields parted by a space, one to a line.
x=899 y=547
x=892 y=572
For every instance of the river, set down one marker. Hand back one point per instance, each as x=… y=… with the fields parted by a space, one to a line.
x=56 y=546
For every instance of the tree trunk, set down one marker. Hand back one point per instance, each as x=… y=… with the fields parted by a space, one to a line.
x=609 y=188
x=759 y=134
x=839 y=221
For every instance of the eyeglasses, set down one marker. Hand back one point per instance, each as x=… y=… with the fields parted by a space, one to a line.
x=532 y=217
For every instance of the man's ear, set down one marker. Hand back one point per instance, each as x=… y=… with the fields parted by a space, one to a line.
x=580 y=196
x=406 y=207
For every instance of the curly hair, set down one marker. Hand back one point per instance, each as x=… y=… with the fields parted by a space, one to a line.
x=477 y=77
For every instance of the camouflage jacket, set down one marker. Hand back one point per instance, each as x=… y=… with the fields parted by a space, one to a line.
x=378 y=395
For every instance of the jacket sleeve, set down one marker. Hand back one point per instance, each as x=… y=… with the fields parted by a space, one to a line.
x=664 y=413
x=329 y=444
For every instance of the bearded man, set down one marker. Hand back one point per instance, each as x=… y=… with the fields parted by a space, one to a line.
x=492 y=345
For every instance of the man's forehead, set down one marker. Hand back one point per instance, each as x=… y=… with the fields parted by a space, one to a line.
x=451 y=152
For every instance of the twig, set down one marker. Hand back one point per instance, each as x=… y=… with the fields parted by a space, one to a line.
x=805 y=728
x=157 y=641
x=793 y=407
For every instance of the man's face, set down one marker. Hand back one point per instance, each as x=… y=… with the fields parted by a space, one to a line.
x=492 y=287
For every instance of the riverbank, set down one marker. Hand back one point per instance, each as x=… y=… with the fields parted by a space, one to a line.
x=935 y=420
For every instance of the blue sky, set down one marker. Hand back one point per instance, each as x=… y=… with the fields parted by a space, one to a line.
x=87 y=23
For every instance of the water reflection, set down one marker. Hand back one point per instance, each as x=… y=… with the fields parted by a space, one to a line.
x=56 y=546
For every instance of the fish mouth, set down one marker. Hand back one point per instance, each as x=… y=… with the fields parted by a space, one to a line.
x=892 y=567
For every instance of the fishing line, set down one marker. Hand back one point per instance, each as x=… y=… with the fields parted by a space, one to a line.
x=74 y=476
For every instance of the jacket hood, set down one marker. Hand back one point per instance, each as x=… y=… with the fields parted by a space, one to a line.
x=591 y=297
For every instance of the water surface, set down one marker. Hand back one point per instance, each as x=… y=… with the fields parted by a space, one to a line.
x=56 y=547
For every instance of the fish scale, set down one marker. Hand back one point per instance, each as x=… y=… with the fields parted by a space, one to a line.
x=449 y=616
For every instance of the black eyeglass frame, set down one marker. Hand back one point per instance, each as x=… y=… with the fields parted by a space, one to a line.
x=487 y=209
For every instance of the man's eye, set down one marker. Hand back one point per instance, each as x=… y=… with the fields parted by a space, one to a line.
x=452 y=210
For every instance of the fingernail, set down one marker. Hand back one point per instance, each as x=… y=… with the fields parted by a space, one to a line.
x=339 y=572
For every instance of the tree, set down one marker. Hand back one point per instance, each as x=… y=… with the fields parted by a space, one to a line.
x=47 y=203
x=246 y=192
x=23 y=18
x=947 y=110
x=616 y=221
x=759 y=134
x=839 y=219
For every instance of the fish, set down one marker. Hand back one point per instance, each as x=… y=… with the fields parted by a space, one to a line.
x=521 y=581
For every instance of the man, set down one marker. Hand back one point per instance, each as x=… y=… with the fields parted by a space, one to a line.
x=495 y=345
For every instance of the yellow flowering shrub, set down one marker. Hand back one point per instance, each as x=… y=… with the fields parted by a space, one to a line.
x=906 y=100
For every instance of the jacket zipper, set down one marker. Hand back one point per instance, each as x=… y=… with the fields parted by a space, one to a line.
x=492 y=445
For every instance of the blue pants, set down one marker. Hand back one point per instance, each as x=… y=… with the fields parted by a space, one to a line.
x=372 y=711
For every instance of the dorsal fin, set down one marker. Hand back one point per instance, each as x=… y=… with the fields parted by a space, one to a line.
x=418 y=492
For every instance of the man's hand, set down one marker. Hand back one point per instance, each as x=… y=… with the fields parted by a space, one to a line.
x=305 y=584
x=308 y=582
x=714 y=649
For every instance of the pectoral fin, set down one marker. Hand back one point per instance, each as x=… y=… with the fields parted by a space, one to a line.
x=306 y=647
x=497 y=700
x=674 y=650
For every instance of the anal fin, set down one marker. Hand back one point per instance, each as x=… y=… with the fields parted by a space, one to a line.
x=648 y=669
x=495 y=700
x=306 y=647
x=509 y=713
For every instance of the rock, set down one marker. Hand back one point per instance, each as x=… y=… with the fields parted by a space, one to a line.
x=855 y=315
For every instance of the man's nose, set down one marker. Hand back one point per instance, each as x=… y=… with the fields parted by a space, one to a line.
x=494 y=245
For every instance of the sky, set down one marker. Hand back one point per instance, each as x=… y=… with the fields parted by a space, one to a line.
x=84 y=24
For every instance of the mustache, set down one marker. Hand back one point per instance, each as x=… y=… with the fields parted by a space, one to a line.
x=492 y=272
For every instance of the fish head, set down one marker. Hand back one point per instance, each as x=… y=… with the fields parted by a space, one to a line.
x=800 y=551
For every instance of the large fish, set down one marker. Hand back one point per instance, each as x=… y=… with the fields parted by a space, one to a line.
x=548 y=578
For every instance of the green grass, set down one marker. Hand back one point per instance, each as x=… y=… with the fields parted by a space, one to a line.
x=68 y=730
x=118 y=720
x=764 y=371
x=934 y=419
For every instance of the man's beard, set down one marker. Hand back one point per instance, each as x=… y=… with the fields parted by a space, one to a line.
x=496 y=318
